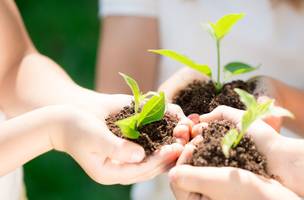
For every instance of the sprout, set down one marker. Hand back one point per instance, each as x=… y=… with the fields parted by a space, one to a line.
x=218 y=31
x=253 y=112
x=153 y=110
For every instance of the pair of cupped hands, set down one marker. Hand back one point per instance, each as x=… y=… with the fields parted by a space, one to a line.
x=108 y=159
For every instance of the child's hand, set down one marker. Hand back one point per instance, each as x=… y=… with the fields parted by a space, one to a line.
x=107 y=158
x=284 y=159
x=81 y=131
x=214 y=183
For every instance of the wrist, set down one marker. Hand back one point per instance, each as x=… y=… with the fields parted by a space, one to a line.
x=61 y=118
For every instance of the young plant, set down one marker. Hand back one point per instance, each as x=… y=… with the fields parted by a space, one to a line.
x=253 y=112
x=218 y=31
x=152 y=110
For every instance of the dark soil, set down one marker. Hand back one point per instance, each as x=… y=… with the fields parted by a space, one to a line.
x=201 y=97
x=153 y=136
x=245 y=155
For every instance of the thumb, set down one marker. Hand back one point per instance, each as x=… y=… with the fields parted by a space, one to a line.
x=120 y=149
x=126 y=151
x=210 y=181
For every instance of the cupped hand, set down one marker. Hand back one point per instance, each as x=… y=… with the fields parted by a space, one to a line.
x=203 y=183
x=272 y=145
x=105 y=157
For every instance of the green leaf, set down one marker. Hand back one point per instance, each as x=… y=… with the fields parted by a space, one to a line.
x=263 y=109
x=228 y=140
x=247 y=99
x=149 y=94
x=135 y=90
x=280 y=112
x=204 y=69
x=222 y=27
x=128 y=127
x=248 y=118
x=152 y=111
x=237 y=68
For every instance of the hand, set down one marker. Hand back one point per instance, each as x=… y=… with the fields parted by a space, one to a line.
x=180 y=80
x=190 y=182
x=211 y=183
x=105 y=157
x=283 y=155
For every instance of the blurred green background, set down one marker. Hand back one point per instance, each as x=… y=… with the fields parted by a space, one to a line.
x=68 y=32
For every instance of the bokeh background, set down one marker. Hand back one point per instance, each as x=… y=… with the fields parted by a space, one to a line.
x=68 y=32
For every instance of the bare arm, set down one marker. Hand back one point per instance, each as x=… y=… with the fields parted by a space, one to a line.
x=123 y=48
x=27 y=78
x=27 y=136
x=292 y=99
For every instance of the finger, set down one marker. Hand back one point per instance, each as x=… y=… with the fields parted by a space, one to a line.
x=210 y=180
x=186 y=155
x=118 y=101
x=182 y=133
x=179 y=81
x=197 y=129
x=183 y=130
x=195 y=118
x=223 y=112
x=195 y=196
x=188 y=151
x=120 y=149
x=178 y=193
x=176 y=110
x=156 y=164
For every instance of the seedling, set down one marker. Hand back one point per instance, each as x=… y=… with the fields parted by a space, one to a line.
x=253 y=112
x=148 y=108
x=218 y=31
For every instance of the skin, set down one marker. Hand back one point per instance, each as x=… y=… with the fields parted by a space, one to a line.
x=130 y=46
x=29 y=80
x=285 y=157
x=285 y=96
x=126 y=51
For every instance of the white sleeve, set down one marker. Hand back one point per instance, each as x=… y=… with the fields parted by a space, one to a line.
x=128 y=7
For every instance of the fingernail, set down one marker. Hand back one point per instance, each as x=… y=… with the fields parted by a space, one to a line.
x=137 y=156
x=195 y=118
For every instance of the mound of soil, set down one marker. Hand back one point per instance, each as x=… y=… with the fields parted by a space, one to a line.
x=201 y=97
x=245 y=155
x=153 y=136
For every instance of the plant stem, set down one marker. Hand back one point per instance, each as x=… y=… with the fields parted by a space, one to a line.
x=238 y=139
x=218 y=62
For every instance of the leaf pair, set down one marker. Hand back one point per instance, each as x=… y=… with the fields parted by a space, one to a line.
x=153 y=110
x=218 y=30
x=253 y=112
x=223 y=26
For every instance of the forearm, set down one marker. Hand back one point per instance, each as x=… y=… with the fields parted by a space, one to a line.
x=36 y=82
x=291 y=99
x=27 y=79
x=26 y=137
x=123 y=48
